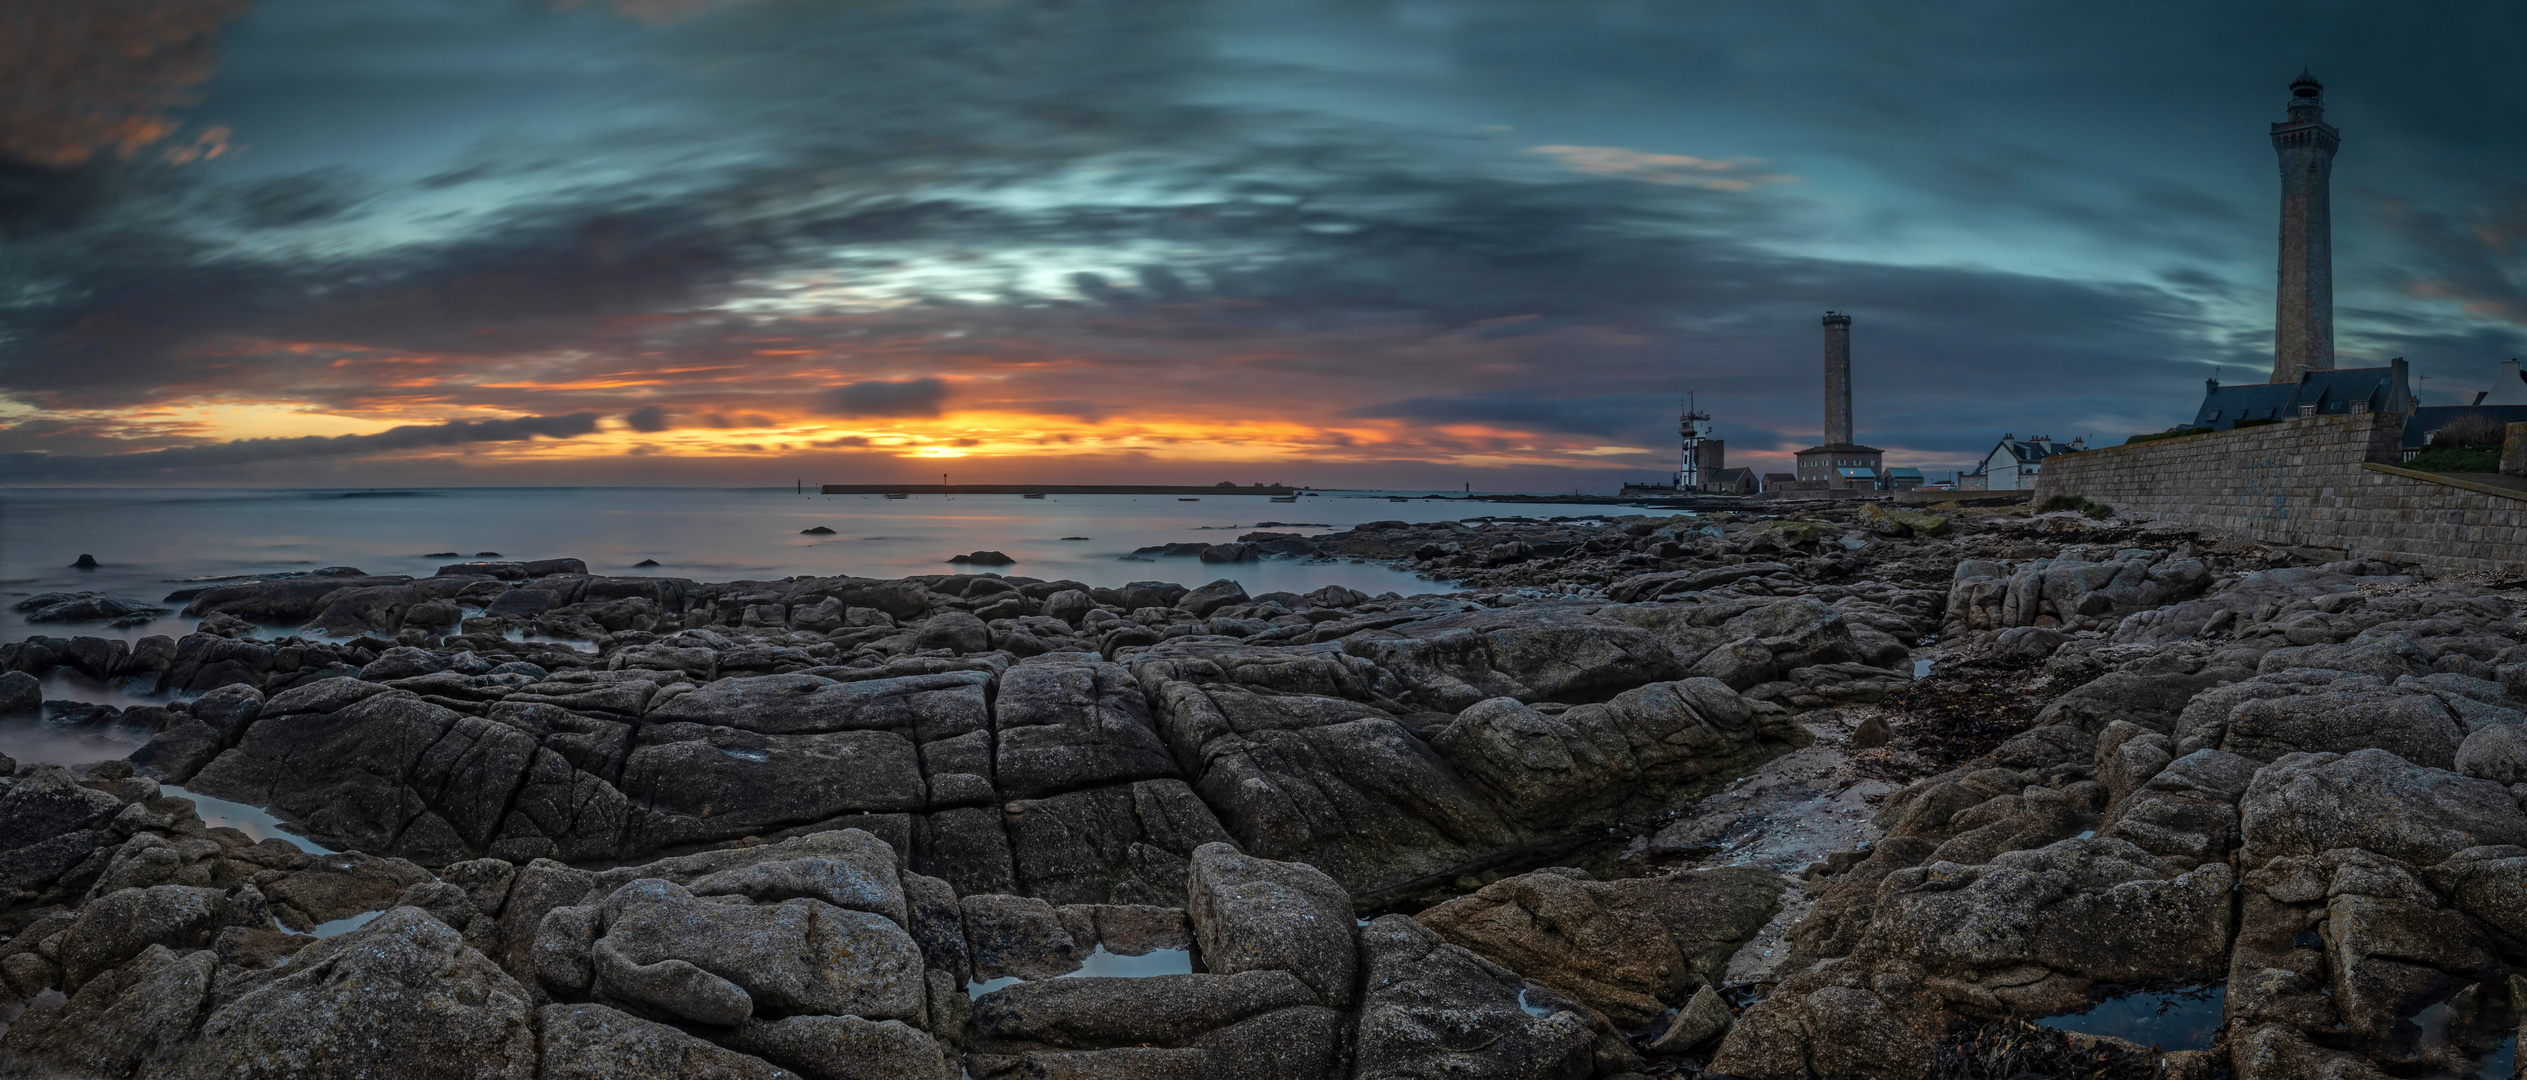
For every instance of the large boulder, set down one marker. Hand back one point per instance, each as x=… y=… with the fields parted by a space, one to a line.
x=1436 y=1011
x=120 y=925
x=401 y=998
x=1065 y=722
x=2031 y=930
x=592 y=1042
x=2415 y=727
x=1836 y=1030
x=1538 y=653
x=846 y=1048
x=1628 y=948
x=1585 y=762
x=369 y=609
x=2304 y=804
x=2186 y=812
x=139 y=1013
x=1254 y=914
x=48 y=825
x=948 y=703
x=654 y=946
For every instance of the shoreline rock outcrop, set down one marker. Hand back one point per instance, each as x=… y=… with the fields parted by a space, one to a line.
x=1806 y=796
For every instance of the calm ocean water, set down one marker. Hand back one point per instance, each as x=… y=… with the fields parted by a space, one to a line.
x=152 y=541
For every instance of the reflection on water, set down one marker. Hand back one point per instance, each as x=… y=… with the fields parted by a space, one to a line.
x=67 y=684
x=147 y=540
x=2181 y=1019
x=2502 y=1062
x=344 y=926
x=1103 y=964
x=254 y=821
x=33 y=741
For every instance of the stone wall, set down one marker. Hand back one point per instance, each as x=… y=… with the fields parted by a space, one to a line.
x=2321 y=482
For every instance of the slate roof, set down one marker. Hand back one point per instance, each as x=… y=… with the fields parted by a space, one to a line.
x=2332 y=392
x=2031 y=451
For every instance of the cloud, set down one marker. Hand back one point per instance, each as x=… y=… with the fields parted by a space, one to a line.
x=1595 y=416
x=304 y=199
x=648 y=419
x=1198 y=262
x=81 y=77
x=1679 y=169
x=249 y=451
x=905 y=398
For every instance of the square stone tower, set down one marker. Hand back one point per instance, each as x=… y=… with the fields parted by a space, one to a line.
x=2303 y=317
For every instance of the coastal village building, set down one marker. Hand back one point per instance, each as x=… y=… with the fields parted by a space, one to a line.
x=2013 y=464
x=1718 y=481
x=2508 y=388
x=2314 y=392
x=2504 y=404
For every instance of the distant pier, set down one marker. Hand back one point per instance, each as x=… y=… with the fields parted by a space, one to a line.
x=1047 y=489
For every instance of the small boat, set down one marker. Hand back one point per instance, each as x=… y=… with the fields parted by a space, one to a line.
x=897 y=495
x=1032 y=495
x=1285 y=498
x=1188 y=500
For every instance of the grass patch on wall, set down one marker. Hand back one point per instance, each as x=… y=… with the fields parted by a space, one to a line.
x=2458 y=459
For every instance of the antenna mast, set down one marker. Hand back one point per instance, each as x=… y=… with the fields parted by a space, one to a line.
x=1692 y=427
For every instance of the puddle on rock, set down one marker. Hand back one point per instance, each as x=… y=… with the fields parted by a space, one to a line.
x=2438 y=1023
x=254 y=821
x=2179 y=1019
x=1105 y=965
x=344 y=925
x=2502 y=1062
x=1532 y=1009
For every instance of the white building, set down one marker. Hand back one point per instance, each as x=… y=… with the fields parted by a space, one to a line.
x=2508 y=388
x=2013 y=464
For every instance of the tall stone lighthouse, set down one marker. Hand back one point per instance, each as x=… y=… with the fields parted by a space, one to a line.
x=2303 y=322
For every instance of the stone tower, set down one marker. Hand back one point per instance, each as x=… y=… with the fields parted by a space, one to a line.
x=1837 y=379
x=2303 y=317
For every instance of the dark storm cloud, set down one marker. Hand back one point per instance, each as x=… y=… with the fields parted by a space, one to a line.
x=1521 y=412
x=247 y=451
x=85 y=81
x=1260 y=238
x=909 y=397
x=297 y=200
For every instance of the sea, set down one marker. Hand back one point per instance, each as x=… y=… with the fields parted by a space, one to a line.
x=149 y=542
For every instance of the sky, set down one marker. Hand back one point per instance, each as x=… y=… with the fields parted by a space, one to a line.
x=1342 y=243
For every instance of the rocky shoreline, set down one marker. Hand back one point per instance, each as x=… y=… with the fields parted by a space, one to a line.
x=1839 y=790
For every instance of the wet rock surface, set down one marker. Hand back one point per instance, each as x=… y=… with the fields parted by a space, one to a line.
x=1835 y=792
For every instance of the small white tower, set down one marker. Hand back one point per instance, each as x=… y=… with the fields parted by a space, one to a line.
x=1693 y=427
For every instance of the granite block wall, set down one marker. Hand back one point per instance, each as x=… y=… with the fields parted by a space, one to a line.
x=2326 y=482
